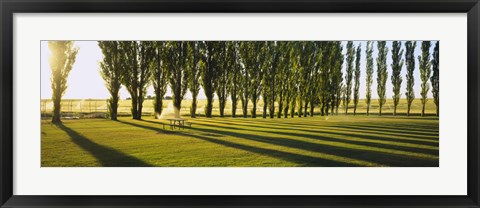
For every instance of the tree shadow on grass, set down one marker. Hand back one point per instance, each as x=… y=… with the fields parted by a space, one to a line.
x=301 y=160
x=352 y=133
x=107 y=156
x=386 y=158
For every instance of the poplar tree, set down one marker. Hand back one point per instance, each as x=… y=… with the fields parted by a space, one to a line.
x=435 y=79
x=159 y=78
x=425 y=71
x=194 y=70
x=235 y=78
x=410 y=65
x=369 y=77
x=131 y=73
x=111 y=72
x=325 y=77
x=208 y=74
x=225 y=63
x=253 y=56
x=397 y=64
x=356 y=89
x=147 y=57
x=177 y=62
x=382 y=73
x=62 y=58
x=349 y=73
x=337 y=76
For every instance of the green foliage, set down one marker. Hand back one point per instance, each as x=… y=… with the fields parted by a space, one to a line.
x=62 y=58
x=425 y=71
x=159 y=77
x=177 y=62
x=397 y=64
x=111 y=71
x=253 y=58
x=369 y=77
x=382 y=73
x=410 y=64
x=356 y=89
x=196 y=66
x=208 y=74
x=435 y=79
x=235 y=79
x=336 y=62
x=349 y=73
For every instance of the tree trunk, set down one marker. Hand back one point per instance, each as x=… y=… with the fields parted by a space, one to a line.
x=312 y=108
x=221 y=103
x=292 y=109
x=305 y=112
x=380 y=110
x=134 y=107
x=208 y=109
x=193 y=109
x=280 y=106
x=285 y=111
x=158 y=105
x=254 y=109
x=113 y=108
x=423 y=109
x=368 y=109
x=245 y=107
x=56 y=110
x=140 y=106
x=300 y=108
x=408 y=108
x=234 y=106
x=177 y=106
x=354 y=109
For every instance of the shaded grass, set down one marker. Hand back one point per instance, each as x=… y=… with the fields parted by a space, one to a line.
x=225 y=142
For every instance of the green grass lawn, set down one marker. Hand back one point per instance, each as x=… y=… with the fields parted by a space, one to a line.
x=244 y=142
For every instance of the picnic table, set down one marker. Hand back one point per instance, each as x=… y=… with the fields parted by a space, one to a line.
x=180 y=122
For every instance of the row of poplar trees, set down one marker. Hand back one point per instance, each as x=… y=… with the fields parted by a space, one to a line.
x=297 y=75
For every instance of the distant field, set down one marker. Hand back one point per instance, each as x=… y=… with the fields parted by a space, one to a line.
x=90 y=106
x=332 y=141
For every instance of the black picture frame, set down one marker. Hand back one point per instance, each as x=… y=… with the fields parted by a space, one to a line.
x=9 y=7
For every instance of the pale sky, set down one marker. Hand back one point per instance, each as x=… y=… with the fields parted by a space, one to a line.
x=85 y=82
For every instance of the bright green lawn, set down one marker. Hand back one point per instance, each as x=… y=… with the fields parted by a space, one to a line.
x=238 y=142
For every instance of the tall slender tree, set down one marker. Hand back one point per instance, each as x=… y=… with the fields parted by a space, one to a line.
x=177 y=63
x=356 y=88
x=225 y=63
x=382 y=73
x=235 y=77
x=397 y=64
x=369 y=77
x=208 y=74
x=159 y=77
x=62 y=58
x=253 y=57
x=131 y=72
x=111 y=72
x=410 y=65
x=425 y=71
x=435 y=79
x=326 y=77
x=349 y=73
x=337 y=76
x=147 y=60
x=194 y=71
